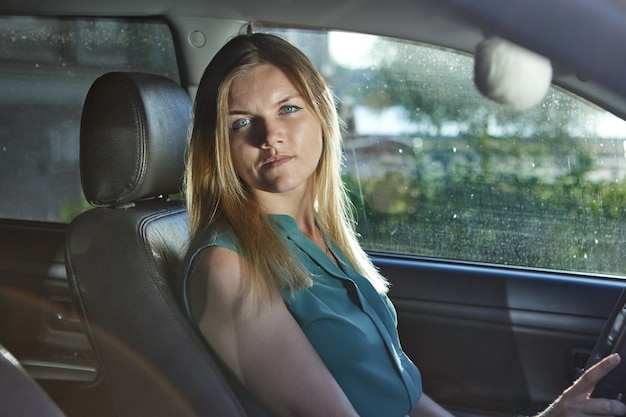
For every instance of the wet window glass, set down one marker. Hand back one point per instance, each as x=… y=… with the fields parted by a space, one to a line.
x=436 y=170
x=46 y=68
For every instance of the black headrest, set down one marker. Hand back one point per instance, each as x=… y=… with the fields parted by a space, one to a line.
x=133 y=137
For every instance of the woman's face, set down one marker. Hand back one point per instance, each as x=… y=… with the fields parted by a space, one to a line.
x=276 y=139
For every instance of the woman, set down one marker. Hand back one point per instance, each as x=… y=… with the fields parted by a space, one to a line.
x=276 y=280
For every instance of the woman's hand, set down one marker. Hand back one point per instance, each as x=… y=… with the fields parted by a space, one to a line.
x=575 y=401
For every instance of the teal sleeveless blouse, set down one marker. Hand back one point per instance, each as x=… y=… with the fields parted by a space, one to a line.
x=351 y=326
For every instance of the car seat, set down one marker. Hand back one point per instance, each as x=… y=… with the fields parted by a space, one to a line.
x=123 y=257
x=19 y=393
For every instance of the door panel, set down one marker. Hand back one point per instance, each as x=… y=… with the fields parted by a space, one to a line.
x=38 y=323
x=490 y=339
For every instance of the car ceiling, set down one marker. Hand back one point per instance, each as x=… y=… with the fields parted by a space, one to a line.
x=584 y=38
x=356 y=15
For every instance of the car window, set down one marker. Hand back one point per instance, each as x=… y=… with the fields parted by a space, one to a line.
x=46 y=68
x=436 y=170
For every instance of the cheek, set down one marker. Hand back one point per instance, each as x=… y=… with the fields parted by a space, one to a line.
x=237 y=158
x=243 y=160
x=319 y=145
x=313 y=132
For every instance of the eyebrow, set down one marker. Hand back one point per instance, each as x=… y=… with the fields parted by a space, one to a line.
x=237 y=112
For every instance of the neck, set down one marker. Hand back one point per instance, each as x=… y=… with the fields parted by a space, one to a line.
x=302 y=210
x=299 y=205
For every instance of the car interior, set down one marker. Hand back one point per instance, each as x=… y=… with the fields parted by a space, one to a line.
x=499 y=320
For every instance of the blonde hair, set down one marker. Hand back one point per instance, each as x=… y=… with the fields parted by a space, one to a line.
x=217 y=196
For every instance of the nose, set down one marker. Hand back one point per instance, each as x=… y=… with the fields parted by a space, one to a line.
x=273 y=134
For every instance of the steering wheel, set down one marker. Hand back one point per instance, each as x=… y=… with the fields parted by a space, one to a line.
x=611 y=340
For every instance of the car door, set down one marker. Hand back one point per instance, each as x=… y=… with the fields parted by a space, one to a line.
x=500 y=231
x=38 y=323
x=496 y=339
x=47 y=67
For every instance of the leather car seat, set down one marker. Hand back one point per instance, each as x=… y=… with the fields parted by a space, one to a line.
x=20 y=395
x=123 y=257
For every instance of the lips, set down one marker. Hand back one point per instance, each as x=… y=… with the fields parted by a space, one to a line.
x=276 y=161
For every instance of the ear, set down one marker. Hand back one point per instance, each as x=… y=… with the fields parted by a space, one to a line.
x=509 y=74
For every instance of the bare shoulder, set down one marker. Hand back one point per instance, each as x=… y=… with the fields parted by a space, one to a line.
x=215 y=281
x=216 y=262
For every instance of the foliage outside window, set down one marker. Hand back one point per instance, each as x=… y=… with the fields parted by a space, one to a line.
x=436 y=170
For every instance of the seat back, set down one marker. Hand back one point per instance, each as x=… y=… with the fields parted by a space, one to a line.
x=124 y=257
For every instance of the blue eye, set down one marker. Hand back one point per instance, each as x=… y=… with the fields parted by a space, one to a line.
x=290 y=109
x=240 y=123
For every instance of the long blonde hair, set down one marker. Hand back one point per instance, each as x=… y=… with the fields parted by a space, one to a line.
x=217 y=196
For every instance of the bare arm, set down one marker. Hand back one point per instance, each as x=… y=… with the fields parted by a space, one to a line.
x=267 y=351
